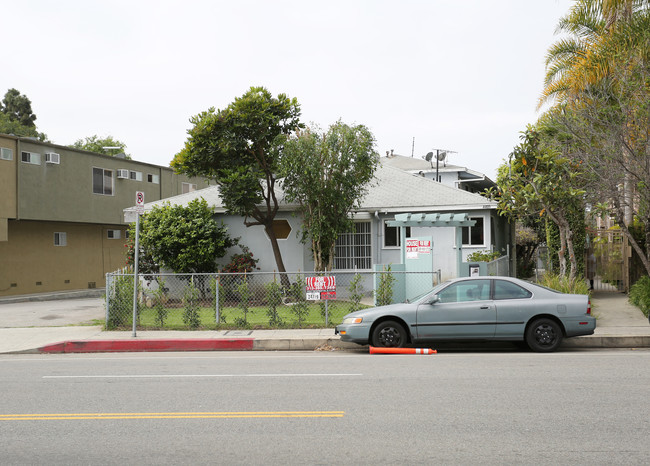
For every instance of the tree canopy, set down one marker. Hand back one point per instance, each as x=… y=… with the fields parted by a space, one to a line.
x=328 y=174
x=107 y=145
x=239 y=147
x=17 y=117
x=182 y=239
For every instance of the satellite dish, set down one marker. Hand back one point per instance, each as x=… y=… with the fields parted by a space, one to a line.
x=428 y=157
x=442 y=155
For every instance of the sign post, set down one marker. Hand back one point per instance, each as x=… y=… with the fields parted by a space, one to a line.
x=321 y=288
x=139 y=210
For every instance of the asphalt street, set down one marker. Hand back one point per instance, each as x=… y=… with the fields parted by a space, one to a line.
x=574 y=407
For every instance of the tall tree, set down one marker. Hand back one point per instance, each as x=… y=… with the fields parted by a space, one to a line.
x=328 y=175
x=541 y=180
x=18 y=108
x=239 y=147
x=107 y=145
x=569 y=64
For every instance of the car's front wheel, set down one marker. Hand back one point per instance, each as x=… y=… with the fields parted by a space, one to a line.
x=389 y=334
x=544 y=335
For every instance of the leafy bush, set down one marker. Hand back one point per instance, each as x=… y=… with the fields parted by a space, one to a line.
x=356 y=292
x=564 y=284
x=159 y=301
x=274 y=300
x=241 y=263
x=640 y=294
x=300 y=308
x=121 y=302
x=191 y=316
x=483 y=256
x=385 y=287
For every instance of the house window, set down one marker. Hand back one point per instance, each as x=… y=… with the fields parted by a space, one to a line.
x=392 y=237
x=102 y=181
x=30 y=157
x=474 y=236
x=137 y=176
x=188 y=188
x=60 y=238
x=153 y=178
x=353 y=250
x=6 y=154
x=114 y=234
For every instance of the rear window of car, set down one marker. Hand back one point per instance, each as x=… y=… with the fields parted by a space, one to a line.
x=508 y=290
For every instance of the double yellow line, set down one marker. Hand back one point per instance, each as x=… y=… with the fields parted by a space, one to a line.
x=218 y=415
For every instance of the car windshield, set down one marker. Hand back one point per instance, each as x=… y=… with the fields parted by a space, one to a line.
x=425 y=296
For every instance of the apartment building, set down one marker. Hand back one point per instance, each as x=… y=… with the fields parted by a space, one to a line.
x=61 y=213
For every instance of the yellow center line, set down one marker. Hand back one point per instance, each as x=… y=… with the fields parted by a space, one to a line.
x=197 y=415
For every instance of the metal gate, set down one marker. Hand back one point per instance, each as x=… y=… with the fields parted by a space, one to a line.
x=607 y=261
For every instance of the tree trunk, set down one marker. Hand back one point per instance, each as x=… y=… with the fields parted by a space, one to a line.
x=278 y=256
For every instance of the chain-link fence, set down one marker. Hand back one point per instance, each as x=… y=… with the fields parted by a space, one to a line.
x=499 y=267
x=253 y=300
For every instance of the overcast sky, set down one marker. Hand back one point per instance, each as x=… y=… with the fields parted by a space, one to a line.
x=463 y=75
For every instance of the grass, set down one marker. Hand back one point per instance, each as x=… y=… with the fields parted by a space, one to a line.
x=257 y=317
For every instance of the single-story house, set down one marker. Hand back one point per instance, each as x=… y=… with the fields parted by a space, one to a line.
x=373 y=241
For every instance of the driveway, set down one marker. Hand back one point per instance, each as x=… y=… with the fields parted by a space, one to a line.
x=56 y=313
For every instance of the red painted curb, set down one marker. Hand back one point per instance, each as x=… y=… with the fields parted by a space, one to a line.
x=116 y=346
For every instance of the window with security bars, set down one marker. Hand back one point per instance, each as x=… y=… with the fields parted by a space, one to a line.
x=353 y=250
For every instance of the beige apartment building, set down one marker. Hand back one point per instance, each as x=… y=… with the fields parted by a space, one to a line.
x=61 y=213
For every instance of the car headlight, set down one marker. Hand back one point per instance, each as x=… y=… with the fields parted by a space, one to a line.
x=353 y=320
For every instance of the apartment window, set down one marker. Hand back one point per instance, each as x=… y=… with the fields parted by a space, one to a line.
x=60 y=238
x=392 y=237
x=474 y=236
x=151 y=178
x=30 y=157
x=133 y=175
x=102 y=181
x=114 y=234
x=353 y=250
x=188 y=188
x=6 y=154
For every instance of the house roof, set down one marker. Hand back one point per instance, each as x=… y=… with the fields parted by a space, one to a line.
x=413 y=164
x=399 y=191
x=392 y=190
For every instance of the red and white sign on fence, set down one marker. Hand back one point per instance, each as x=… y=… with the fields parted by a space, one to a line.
x=321 y=288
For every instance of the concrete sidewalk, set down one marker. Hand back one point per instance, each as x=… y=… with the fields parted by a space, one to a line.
x=620 y=325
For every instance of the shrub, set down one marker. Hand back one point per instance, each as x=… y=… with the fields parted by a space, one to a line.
x=274 y=300
x=121 y=302
x=385 y=287
x=564 y=284
x=241 y=263
x=356 y=292
x=159 y=302
x=191 y=316
x=483 y=256
x=640 y=294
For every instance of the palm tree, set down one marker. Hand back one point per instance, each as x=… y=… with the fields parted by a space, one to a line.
x=570 y=63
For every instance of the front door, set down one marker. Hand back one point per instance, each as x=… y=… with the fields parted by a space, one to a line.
x=464 y=310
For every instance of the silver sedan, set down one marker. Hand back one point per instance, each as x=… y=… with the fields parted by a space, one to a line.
x=478 y=308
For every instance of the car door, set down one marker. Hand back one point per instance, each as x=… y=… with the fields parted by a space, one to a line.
x=514 y=306
x=463 y=310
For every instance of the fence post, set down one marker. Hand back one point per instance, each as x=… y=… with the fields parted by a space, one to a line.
x=216 y=299
x=108 y=293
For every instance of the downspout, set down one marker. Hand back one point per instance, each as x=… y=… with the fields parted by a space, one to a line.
x=379 y=231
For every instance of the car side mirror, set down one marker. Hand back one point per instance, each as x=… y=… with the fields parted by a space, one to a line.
x=434 y=299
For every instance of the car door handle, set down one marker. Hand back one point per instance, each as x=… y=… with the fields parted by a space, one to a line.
x=485 y=307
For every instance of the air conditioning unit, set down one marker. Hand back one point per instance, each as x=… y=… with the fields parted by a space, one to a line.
x=52 y=157
x=123 y=174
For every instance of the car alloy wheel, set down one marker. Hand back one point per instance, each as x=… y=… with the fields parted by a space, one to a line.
x=389 y=334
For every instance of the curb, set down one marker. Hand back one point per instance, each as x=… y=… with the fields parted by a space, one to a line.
x=120 y=346
x=283 y=344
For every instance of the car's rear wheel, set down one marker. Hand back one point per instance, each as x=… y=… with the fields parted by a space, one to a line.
x=389 y=334
x=544 y=335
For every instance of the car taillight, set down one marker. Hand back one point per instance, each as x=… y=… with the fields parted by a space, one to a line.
x=589 y=306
